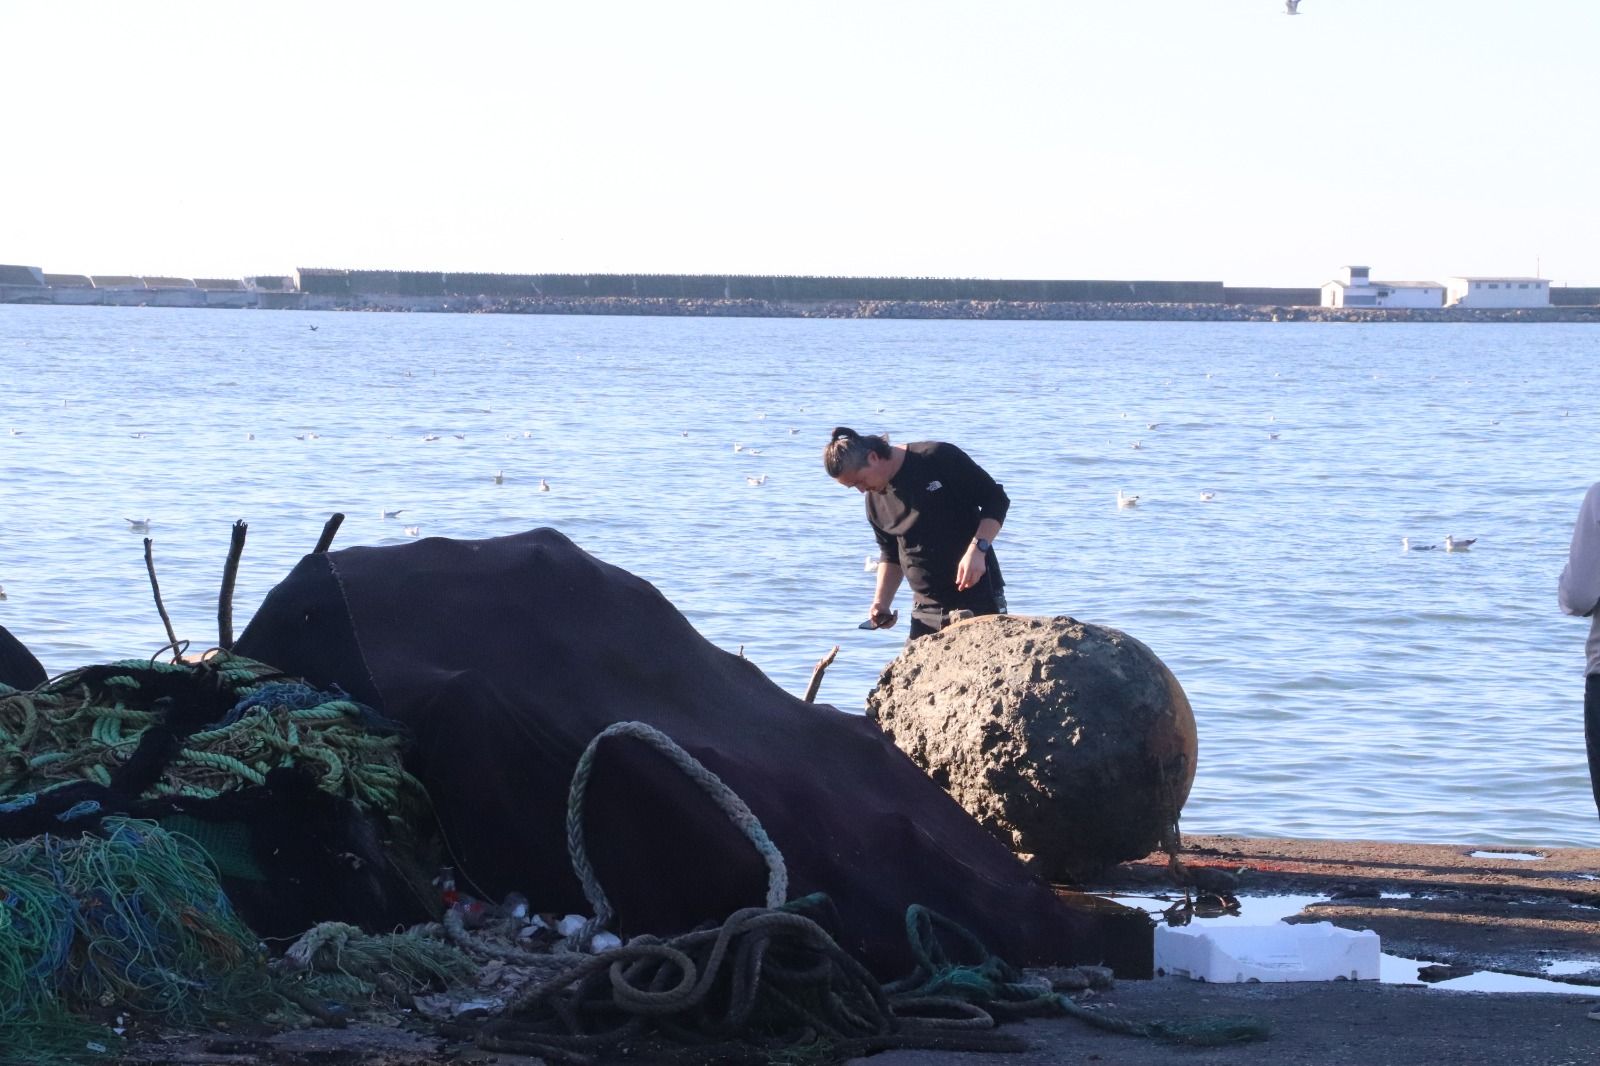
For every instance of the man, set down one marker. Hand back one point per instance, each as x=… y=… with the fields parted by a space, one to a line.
x=935 y=514
x=1579 y=594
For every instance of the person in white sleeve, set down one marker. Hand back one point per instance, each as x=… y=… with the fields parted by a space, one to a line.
x=1579 y=594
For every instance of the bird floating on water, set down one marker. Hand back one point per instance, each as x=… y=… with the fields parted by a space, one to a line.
x=738 y=447
x=413 y=531
x=1407 y=546
x=544 y=486
x=138 y=525
x=394 y=513
x=2 y=592
x=1125 y=500
x=430 y=436
x=1136 y=445
x=1206 y=496
x=1451 y=544
x=499 y=477
x=752 y=479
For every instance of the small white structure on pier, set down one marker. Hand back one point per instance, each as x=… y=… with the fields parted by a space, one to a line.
x=1354 y=288
x=1498 y=292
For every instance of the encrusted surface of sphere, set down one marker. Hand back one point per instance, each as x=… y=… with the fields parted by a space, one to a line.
x=1071 y=742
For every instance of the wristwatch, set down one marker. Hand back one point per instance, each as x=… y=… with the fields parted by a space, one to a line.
x=982 y=544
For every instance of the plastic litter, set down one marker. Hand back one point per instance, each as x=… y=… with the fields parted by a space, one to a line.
x=1319 y=951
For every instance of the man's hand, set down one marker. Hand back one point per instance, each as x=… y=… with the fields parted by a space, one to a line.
x=881 y=617
x=971 y=569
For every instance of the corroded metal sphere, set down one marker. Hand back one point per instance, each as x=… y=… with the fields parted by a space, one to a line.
x=1071 y=742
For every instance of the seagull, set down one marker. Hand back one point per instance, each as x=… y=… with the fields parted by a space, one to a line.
x=1451 y=544
x=138 y=525
x=499 y=477
x=1206 y=496
x=459 y=436
x=1124 y=500
x=392 y=514
x=431 y=436
x=793 y=430
x=313 y=329
x=249 y=436
x=1137 y=445
x=413 y=531
x=2 y=592
x=872 y=563
x=1407 y=546
x=544 y=486
x=1272 y=436
x=1154 y=425
x=738 y=447
x=752 y=479
x=752 y=451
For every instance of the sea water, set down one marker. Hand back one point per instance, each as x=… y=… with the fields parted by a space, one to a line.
x=1342 y=688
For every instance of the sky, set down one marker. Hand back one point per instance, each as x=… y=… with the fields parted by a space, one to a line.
x=1213 y=140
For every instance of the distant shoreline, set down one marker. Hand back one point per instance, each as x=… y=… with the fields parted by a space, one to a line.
x=681 y=307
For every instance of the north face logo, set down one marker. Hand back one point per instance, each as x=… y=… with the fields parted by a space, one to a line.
x=935 y=486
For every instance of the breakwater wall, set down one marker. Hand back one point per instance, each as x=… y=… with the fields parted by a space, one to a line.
x=998 y=310
x=790 y=296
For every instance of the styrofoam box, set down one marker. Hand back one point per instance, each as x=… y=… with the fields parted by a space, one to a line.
x=1319 y=951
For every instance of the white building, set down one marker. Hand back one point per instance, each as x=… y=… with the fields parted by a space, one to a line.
x=1355 y=289
x=1498 y=292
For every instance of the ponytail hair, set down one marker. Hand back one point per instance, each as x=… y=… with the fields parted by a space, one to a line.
x=847 y=450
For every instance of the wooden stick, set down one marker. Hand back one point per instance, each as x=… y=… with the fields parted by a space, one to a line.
x=328 y=530
x=155 y=587
x=816 y=675
x=230 y=570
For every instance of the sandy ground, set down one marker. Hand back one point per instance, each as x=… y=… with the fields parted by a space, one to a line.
x=1435 y=903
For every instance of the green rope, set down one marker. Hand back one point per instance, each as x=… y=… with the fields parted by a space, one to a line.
x=85 y=724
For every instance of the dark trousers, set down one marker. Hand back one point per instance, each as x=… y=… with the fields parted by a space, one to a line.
x=1591 y=731
x=930 y=618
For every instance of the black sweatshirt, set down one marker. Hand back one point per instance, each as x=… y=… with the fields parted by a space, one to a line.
x=928 y=515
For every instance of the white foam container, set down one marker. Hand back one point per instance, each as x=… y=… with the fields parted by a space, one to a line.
x=1318 y=951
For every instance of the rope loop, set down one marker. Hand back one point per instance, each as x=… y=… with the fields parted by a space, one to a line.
x=736 y=809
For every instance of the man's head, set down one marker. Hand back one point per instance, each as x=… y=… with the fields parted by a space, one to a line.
x=862 y=463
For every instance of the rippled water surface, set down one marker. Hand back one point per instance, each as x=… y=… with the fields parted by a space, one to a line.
x=1343 y=688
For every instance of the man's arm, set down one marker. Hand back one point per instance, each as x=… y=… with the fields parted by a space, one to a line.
x=975 y=563
x=992 y=502
x=1578 y=592
x=889 y=575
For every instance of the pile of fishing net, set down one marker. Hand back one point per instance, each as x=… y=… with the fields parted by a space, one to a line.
x=157 y=820
x=299 y=796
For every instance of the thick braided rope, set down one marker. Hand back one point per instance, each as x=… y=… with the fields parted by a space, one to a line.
x=734 y=807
